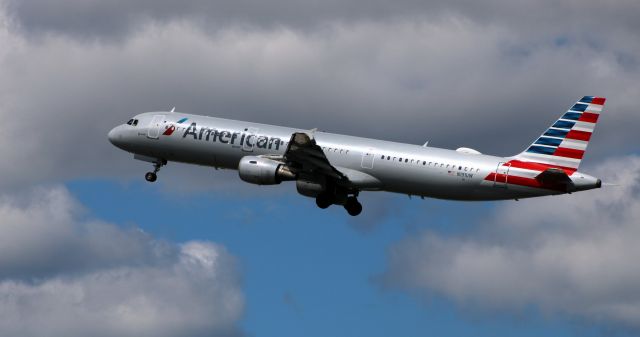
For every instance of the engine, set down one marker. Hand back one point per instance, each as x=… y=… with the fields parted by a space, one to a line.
x=320 y=188
x=263 y=171
x=310 y=188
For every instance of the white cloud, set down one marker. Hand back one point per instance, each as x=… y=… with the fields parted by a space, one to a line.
x=65 y=275
x=573 y=254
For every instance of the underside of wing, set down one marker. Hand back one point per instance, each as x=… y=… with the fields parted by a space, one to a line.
x=305 y=156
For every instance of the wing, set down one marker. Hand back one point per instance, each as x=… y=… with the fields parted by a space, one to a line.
x=308 y=161
x=307 y=157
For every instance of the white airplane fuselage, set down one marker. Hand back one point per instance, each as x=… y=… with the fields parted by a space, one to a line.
x=369 y=164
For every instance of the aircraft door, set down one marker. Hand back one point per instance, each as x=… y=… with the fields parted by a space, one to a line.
x=155 y=126
x=250 y=139
x=501 y=178
x=367 y=159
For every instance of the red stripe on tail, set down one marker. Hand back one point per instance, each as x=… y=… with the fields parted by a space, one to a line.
x=533 y=166
x=569 y=153
x=522 y=181
x=579 y=135
x=588 y=117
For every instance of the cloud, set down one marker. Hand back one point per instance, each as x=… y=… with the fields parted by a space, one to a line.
x=572 y=254
x=404 y=81
x=117 y=18
x=66 y=275
x=450 y=76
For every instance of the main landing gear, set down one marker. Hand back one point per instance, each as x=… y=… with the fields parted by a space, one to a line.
x=152 y=176
x=352 y=205
x=323 y=201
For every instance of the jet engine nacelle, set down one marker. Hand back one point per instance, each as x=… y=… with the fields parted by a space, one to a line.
x=310 y=188
x=263 y=171
x=319 y=187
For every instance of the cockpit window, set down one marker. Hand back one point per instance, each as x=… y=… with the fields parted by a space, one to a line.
x=135 y=122
x=130 y=122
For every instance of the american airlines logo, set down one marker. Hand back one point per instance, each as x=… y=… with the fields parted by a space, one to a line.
x=169 y=129
x=244 y=139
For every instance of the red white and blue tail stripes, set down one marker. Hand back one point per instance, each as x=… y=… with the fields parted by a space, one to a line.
x=564 y=143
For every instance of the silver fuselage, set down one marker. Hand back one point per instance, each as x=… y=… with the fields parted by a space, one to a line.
x=380 y=165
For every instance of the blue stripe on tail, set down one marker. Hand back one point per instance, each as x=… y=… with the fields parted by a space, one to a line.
x=541 y=149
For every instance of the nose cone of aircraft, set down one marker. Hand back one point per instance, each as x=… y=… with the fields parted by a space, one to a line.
x=115 y=136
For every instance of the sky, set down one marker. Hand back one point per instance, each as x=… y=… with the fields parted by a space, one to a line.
x=90 y=248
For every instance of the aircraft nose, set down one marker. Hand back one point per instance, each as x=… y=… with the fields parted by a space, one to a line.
x=115 y=136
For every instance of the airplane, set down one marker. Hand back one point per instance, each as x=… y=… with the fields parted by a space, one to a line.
x=335 y=168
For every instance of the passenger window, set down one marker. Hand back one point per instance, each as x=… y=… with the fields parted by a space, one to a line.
x=400 y=159
x=477 y=170
x=465 y=168
x=459 y=167
x=441 y=165
x=382 y=157
x=406 y=160
x=388 y=157
x=424 y=163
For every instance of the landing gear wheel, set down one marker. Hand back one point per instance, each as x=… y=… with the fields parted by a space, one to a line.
x=323 y=201
x=150 y=177
x=352 y=206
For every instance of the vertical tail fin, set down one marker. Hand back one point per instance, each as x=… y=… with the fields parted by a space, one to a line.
x=564 y=143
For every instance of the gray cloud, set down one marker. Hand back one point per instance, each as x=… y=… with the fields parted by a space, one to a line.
x=489 y=75
x=43 y=237
x=570 y=254
x=99 y=18
x=451 y=81
x=454 y=73
x=71 y=276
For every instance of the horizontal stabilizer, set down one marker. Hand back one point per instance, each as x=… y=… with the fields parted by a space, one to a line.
x=554 y=177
